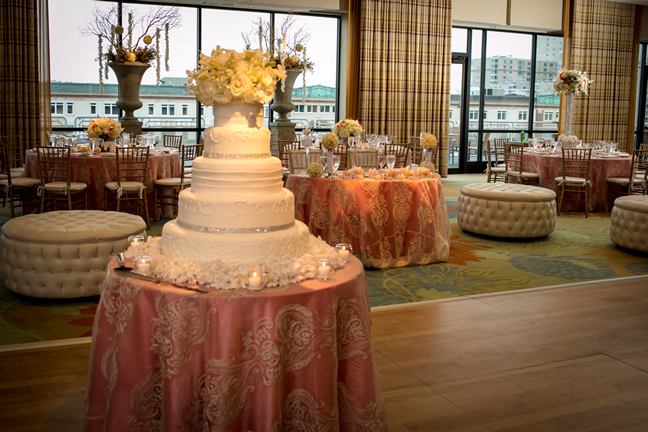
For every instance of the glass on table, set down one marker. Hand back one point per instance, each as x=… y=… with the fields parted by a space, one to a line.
x=381 y=160
x=391 y=161
x=336 y=162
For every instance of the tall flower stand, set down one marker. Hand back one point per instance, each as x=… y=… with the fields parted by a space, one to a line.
x=283 y=127
x=129 y=78
x=568 y=114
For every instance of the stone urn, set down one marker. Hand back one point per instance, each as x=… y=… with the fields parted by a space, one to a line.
x=129 y=78
x=283 y=105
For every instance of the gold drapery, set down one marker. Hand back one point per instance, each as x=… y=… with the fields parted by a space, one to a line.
x=602 y=45
x=404 y=79
x=24 y=70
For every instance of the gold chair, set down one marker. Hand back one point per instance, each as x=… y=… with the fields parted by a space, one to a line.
x=19 y=190
x=515 y=165
x=631 y=184
x=274 y=146
x=15 y=154
x=401 y=151
x=642 y=170
x=56 y=180
x=167 y=190
x=416 y=149
x=298 y=160
x=174 y=141
x=366 y=159
x=132 y=174
x=283 y=146
x=575 y=175
x=494 y=171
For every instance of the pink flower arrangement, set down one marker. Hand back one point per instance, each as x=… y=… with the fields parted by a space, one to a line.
x=104 y=128
x=345 y=128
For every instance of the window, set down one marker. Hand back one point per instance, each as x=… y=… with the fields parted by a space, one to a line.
x=93 y=108
x=523 y=115
x=473 y=115
x=548 y=115
x=299 y=108
x=168 y=109
x=151 y=109
x=501 y=115
x=111 y=109
x=57 y=107
x=185 y=109
x=70 y=108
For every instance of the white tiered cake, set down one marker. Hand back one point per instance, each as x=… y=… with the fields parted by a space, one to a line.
x=236 y=209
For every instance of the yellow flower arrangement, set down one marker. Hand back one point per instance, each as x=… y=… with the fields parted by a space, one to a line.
x=228 y=75
x=330 y=141
x=429 y=142
x=104 y=128
x=315 y=170
x=345 y=128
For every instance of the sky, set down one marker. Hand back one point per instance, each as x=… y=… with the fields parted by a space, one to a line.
x=72 y=55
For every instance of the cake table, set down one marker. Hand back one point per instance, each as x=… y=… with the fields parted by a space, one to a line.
x=164 y=358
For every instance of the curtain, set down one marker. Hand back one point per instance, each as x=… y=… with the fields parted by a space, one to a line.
x=602 y=45
x=24 y=109
x=353 y=58
x=405 y=58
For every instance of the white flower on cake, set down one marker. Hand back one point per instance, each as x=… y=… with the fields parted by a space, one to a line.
x=215 y=274
x=227 y=75
x=330 y=141
x=429 y=142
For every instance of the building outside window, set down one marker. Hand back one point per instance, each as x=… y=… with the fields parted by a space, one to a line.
x=151 y=108
x=185 y=110
x=523 y=115
x=93 y=108
x=111 y=109
x=501 y=115
x=548 y=115
x=168 y=109
x=57 y=107
x=70 y=108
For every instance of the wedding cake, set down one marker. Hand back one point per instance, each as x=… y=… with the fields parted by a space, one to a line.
x=236 y=220
x=236 y=209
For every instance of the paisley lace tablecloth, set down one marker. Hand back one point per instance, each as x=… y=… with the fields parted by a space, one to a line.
x=388 y=223
x=297 y=357
x=96 y=171
x=550 y=166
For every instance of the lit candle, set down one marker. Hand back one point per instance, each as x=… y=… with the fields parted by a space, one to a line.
x=143 y=268
x=345 y=250
x=344 y=253
x=324 y=271
x=135 y=240
x=255 y=281
x=401 y=177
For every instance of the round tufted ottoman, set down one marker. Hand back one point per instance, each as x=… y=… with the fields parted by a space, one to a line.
x=629 y=227
x=63 y=254
x=507 y=210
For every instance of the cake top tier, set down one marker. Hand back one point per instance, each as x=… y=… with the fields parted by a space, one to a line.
x=238 y=132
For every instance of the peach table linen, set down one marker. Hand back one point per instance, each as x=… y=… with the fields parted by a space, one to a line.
x=96 y=171
x=389 y=223
x=550 y=166
x=297 y=357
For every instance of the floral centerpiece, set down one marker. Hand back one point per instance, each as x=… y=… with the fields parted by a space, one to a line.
x=429 y=142
x=120 y=47
x=227 y=75
x=571 y=139
x=571 y=82
x=345 y=128
x=329 y=141
x=315 y=170
x=105 y=128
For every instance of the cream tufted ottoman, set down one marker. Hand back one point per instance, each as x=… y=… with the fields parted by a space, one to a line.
x=63 y=254
x=629 y=227
x=507 y=210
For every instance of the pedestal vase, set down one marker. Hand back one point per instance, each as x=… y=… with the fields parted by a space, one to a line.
x=568 y=114
x=129 y=78
x=283 y=127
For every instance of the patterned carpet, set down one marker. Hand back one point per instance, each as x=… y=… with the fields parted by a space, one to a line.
x=578 y=250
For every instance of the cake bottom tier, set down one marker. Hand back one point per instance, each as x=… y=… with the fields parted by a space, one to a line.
x=234 y=249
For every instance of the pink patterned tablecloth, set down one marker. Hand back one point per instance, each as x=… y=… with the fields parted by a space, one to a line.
x=297 y=357
x=389 y=223
x=550 y=166
x=96 y=171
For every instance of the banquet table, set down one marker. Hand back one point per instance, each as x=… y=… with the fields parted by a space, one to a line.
x=297 y=357
x=549 y=166
x=389 y=223
x=96 y=171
